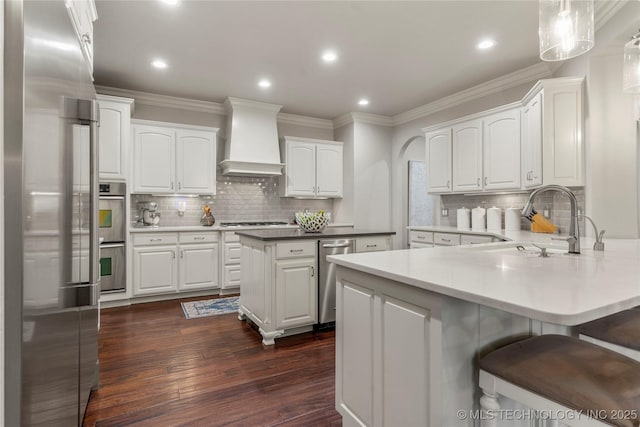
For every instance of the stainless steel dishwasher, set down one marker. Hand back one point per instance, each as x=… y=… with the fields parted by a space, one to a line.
x=327 y=277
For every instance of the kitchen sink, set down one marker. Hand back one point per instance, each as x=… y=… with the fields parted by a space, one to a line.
x=525 y=249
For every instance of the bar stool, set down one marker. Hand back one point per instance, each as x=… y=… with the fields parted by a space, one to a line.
x=619 y=332
x=565 y=378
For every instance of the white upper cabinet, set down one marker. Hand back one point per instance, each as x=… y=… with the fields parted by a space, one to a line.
x=174 y=159
x=313 y=168
x=114 y=135
x=329 y=170
x=467 y=156
x=83 y=13
x=502 y=150
x=195 y=162
x=154 y=153
x=562 y=135
x=438 y=149
x=531 y=172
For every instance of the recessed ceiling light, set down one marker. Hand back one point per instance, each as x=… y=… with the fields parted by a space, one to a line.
x=264 y=83
x=329 y=56
x=486 y=44
x=171 y=2
x=159 y=63
x=363 y=101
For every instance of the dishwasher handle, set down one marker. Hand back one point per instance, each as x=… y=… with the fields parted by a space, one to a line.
x=340 y=245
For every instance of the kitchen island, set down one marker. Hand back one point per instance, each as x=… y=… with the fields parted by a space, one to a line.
x=280 y=270
x=411 y=324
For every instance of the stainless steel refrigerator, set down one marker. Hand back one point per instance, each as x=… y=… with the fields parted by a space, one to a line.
x=51 y=241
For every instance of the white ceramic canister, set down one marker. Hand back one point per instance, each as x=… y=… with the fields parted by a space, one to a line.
x=464 y=218
x=478 y=218
x=512 y=219
x=494 y=218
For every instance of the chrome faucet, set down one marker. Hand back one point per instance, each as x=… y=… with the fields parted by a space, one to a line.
x=574 y=228
x=599 y=244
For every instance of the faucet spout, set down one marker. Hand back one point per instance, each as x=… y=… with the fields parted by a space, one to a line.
x=574 y=227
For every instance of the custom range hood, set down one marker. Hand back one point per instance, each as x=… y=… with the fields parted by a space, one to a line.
x=251 y=147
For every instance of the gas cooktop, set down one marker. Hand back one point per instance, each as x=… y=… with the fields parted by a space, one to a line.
x=251 y=223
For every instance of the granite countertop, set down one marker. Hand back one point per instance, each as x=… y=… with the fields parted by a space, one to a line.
x=288 y=234
x=216 y=227
x=561 y=289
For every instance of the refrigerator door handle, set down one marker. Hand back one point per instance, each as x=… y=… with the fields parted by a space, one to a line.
x=89 y=112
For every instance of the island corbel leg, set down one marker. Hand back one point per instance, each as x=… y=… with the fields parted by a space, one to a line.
x=490 y=407
x=268 y=337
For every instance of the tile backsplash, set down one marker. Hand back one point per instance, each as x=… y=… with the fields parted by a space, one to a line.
x=557 y=204
x=238 y=199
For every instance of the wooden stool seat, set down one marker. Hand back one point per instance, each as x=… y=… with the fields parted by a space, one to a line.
x=622 y=329
x=575 y=374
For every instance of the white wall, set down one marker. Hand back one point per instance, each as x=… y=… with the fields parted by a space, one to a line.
x=611 y=134
x=372 y=176
x=343 y=209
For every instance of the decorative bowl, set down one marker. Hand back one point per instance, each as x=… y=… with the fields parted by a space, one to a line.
x=312 y=222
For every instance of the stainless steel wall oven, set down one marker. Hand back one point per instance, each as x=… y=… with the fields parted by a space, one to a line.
x=112 y=232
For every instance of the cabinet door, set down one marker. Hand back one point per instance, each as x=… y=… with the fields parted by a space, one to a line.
x=467 y=156
x=329 y=170
x=155 y=270
x=563 y=155
x=438 y=151
x=195 y=162
x=154 y=159
x=502 y=150
x=531 y=174
x=301 y=169
x=114 y=131
x=198 y=266
x=296 y=293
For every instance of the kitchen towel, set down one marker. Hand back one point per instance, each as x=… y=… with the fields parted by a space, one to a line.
x=512 y=219
x=464 y=218
x=494 y=218
x=478 y=218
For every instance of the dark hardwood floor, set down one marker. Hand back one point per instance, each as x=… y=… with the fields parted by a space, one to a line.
x=159 y=369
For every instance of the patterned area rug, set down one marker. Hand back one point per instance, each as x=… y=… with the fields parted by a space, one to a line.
x=210 y=307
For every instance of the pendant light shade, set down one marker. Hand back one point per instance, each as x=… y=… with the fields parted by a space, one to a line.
x=631 y=67
x=566 y=28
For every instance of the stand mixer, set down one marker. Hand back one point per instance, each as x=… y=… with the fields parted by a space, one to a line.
x=149 y=215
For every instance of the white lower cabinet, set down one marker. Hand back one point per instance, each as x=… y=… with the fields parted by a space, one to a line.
x=296 y=294
x=230 y=261
x=278 y=286
x=198 y=266
x=385 y=339
x=155 y=270
x=174 y=262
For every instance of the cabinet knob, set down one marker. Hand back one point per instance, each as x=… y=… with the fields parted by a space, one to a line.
x=313 y=271
x=86 y=38
x=182 y=254
x=478 y=182
x=179 y=185
x=448 y=183
x=172 y=185
x=485 y=180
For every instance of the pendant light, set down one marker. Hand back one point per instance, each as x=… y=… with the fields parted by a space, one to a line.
x=631 y=67
x=566 y=28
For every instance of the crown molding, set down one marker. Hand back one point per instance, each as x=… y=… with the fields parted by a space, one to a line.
x=156 y=100
x=605 y=10
x=534 y=72
x=294 y=119
x=372 y=119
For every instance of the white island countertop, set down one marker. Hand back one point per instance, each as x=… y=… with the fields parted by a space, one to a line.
x=561 y=289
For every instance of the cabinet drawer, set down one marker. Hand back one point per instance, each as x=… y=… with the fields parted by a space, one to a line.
x=421 y=236
x=446 y=239
x=296 y=249
x=145 y=239
x=232 y=253
x=418 y=245
x=231 y=277
x=209 y=236
x=371 y=244
x=230 y=236
x=475 y=240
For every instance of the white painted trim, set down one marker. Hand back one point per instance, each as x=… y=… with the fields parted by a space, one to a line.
x=312 y=122
x=232 y=102
x=119 y=99
x=240 y=168
x=516 y=78
x=605 y=10
x=310 y=140
x=173 y=125
x=372 y=119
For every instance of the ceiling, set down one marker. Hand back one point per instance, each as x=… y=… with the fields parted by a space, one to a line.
x=399 y=55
